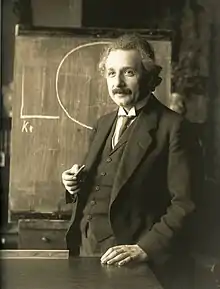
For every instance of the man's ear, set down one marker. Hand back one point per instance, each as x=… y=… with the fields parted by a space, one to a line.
x=154 y=79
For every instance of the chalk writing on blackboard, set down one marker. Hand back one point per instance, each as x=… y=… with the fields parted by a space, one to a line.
x=27 y=127
x=87 y=76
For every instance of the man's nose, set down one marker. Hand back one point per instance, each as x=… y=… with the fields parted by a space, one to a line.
x=119 y=81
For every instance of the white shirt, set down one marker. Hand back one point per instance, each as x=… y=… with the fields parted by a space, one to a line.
x=122 y=113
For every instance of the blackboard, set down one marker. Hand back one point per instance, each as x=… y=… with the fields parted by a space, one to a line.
x=58 y=95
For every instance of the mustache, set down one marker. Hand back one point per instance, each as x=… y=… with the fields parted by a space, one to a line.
x=121 y=91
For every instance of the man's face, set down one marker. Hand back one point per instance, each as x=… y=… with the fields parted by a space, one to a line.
x=124 y=75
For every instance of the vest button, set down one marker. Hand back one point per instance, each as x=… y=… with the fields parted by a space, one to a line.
x=93 y=202
x=89 y=217
x=108 y=160
x=97 y=188
x=103 y=173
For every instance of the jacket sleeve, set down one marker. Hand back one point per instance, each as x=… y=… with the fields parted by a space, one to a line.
x=179 y=180
x=72 y=198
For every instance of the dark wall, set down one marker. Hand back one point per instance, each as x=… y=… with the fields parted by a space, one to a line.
x=142 y=14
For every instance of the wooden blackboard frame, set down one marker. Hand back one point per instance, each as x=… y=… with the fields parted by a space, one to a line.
x=90 y=33
x=152 y=34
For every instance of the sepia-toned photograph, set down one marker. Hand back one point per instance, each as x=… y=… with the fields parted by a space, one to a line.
x=109 y=144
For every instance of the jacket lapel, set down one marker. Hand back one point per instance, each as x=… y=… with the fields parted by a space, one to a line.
x=99 y=139
x=138 y=144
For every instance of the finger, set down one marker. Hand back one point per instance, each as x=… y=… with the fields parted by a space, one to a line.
x=118 y=258
x=72 y=190
x=125 y=261
x=74 y=169
x=110 y=250
x=69 y=177
x=79 y=170
x=68 y=173
x=111 y=253
x=71 y=183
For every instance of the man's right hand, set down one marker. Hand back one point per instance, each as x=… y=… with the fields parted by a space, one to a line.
x=70 y=180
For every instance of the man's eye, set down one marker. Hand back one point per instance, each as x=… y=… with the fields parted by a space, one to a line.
x=129 y=72
x=110 y=73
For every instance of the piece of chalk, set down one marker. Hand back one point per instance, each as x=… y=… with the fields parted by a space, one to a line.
x=79 y=170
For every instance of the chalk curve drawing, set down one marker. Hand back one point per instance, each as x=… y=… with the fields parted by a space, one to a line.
x=57 y=78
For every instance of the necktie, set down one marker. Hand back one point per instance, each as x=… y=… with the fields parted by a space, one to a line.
x=125 y=121
x=124 y=124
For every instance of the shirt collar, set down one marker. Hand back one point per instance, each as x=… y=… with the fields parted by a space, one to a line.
x=133 y=111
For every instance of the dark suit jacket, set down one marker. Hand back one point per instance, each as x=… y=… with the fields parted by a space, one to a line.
x=151 y=194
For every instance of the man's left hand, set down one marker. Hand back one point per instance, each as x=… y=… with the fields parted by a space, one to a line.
x=123 y=254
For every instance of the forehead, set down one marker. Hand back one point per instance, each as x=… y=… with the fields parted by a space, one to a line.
x=123 y=58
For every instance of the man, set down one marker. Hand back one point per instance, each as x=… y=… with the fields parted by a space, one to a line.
x=132 y=198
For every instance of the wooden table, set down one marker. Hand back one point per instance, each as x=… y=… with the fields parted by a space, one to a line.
x=73 y=273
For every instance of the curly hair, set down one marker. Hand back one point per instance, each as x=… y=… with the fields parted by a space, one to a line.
x=145 y=50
